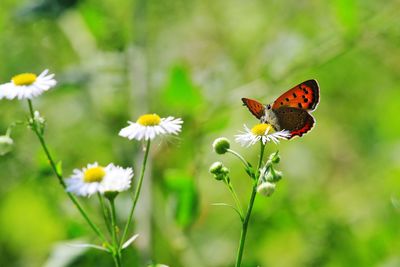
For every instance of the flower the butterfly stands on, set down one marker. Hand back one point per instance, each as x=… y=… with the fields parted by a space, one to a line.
x=288 y=116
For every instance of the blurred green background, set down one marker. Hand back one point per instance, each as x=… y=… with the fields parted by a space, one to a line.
x=338 y=204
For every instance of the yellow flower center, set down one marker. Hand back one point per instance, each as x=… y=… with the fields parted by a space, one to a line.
x=94 y=174
x=149 y=120
x=261 y=128
x=24 y=79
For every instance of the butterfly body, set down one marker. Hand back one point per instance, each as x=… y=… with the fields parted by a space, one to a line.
x=291 y=110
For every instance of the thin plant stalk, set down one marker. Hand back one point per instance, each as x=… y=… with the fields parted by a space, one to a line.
x=117 y=251
x=245 y=222
x=236 y=199
x=60 y=178
x=105 y=212
x=137 y=193
x=245 y=163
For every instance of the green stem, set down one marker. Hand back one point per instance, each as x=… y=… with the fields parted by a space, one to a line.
x=246 y=220
x=137 y=192
x=44 y=146
x=246 y=164
x=105 y=213
x=60 y=178
x=260 y=161
x=117 y=262
x=117 y=251
x=236 y=199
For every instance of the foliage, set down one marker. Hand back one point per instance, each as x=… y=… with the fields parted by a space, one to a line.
x=116 y=60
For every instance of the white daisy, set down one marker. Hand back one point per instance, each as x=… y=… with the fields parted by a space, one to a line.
x=264 y=132
x=97 y=179
x=148 y=126
x=27 y=85
x=117 y=179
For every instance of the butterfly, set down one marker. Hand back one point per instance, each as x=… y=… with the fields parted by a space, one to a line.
x=290 y=111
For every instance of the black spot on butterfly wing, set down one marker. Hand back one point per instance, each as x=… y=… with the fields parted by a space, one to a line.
x=313 y=85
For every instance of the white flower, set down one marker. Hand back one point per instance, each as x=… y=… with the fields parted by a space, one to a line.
x=117 y=179
x=27 y=85
x=96 y=179
x=148 y=126
x=261 y=132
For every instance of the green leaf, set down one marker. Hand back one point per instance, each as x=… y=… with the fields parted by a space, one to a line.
x=180 y=93
x=183 y=189
x=230 y=206
x=187 y=206
x=346 y=12
x=218 y=121
x=250 y=172
x=59 y=168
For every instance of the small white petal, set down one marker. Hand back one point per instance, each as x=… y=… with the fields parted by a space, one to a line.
x=130 y=240
x=88 y=246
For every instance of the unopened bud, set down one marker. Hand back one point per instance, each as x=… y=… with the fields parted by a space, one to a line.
x=225 y=170
x=221 y=145
x=276 y=175
x=274 y=157
x=6 y=144
x=266 y=189
x=216 y=167
x=219 y=176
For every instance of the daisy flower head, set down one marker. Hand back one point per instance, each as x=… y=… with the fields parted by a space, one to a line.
x=117 y=179
x=148 y=126
x=263 y=132
x=94 y=179
x=27 y=85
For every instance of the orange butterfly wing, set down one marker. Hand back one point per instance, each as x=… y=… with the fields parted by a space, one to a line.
x=303 y=96
x=255 y=107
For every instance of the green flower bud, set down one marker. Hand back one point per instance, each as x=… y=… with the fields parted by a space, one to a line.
x=277 y=175
x=275 y=158
x=6 y=144
x=273 y=176
x=221 y=145
x=225 y=170
x=216 y=167
x=219 y=176
x=266 y=189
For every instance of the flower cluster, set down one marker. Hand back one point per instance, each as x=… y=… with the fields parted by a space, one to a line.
x=106 y=181
x=269 y=176
x=264 y=177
